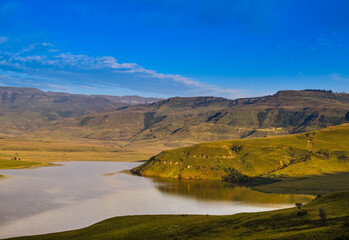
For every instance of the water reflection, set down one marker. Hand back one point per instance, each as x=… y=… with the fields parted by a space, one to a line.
x=78 y=194
x=223 y=191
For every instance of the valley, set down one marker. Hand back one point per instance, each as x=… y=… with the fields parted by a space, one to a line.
x=266 y=152
x=72 y=195
x=151 y=119
x=132 y=128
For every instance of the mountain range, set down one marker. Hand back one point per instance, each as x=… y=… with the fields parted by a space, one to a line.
x=173 y=122
x=26 y=109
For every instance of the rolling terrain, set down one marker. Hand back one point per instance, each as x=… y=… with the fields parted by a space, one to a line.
x=176 y=122
x=292 y=223
x=257 y=161
x=26 y=109
x=24 y=153
x=139 y=128
x=39 y=130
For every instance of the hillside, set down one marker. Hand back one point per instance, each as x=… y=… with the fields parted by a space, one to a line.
x=138 y=122
x=281 y=224
x=178 y=121
x=256 y=160
x=26 y=109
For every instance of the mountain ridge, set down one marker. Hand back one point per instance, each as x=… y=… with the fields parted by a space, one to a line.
x=10 y=96
x=27 y=109
x=172 y=122
x=202 y=119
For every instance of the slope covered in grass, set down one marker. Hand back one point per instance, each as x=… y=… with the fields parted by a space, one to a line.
x=313 y=153
x=281 y=224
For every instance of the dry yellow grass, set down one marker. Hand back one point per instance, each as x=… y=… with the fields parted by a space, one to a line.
x=35 y=152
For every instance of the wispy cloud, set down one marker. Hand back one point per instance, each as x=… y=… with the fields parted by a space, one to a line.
x=42 y=63
x=339 y=77
x=315 y=43
x=3 y=39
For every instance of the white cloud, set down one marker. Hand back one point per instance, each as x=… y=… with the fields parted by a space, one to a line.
x=29 y=58
x=43 y=60
x=47 y=44
x=189 y=82
x=112 y=63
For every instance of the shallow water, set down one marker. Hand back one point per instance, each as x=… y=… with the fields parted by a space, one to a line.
x=78 y=194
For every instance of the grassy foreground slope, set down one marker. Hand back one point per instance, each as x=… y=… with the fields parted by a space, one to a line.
x=281 y=224
x=313 y=153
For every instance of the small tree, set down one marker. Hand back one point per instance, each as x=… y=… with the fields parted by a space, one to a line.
x=323 y=217
x=298 y=205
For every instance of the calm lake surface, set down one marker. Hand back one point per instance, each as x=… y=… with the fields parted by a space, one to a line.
x=78 y=194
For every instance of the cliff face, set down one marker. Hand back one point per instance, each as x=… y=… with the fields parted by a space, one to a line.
x=200 y=119
x=175 y=121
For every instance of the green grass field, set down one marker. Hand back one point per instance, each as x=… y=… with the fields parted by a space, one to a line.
x=292 y=223
x=8 y=164
x=308 y=163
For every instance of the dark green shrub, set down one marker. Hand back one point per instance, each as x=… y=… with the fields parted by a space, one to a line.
x=236 y=148
x=302 y=213
x=236 y=177
x=299 y=205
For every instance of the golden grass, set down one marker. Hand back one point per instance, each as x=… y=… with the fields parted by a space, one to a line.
x=34 y=152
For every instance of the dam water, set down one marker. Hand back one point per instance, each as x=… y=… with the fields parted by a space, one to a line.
x=78 y=194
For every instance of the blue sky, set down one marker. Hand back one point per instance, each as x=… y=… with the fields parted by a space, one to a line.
x=165 y=48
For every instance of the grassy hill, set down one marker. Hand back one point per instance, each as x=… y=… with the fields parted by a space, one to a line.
x=292 y=223
x=259 y=160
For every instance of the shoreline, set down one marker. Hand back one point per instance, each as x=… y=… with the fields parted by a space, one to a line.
x=290 y=222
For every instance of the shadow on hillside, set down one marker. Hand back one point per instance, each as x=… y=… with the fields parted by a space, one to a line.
x=323 y=184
